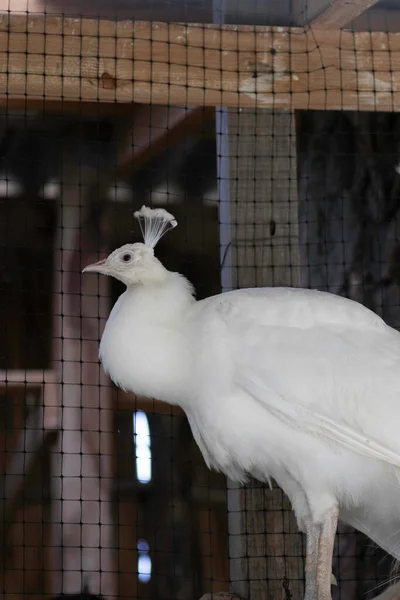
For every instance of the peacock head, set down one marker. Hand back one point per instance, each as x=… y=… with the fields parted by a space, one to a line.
x=135 y=264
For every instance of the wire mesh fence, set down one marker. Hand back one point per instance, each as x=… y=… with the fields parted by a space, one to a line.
x=274 y=141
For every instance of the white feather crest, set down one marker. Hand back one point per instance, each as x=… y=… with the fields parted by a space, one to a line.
x=156 y=222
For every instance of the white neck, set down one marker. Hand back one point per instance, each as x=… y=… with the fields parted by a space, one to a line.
x=163 y=300
x=144 y=346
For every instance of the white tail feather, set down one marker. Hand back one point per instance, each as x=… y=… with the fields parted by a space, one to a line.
x=156 y=222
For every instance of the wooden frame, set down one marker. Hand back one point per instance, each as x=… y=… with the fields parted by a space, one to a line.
x=84 y=60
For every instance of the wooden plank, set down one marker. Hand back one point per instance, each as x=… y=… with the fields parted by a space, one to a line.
x=67 y=108
x=87 y=60
x=262 y=198
x=341 y=12
x=258 y=188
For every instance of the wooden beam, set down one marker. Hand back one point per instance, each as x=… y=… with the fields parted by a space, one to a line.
x=340 y=13
x=68 y=108
x=258 y=179
x=86 y=60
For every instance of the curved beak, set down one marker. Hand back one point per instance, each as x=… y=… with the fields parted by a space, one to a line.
x=98 y=267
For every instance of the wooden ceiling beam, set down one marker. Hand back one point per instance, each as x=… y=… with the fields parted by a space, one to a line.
x=44 y=106
x=340 y=13
x=87 y=60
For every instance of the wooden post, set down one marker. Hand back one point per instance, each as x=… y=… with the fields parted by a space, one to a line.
x=260 y=247
x=82 y=535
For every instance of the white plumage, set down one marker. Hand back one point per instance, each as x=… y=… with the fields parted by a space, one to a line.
x=297 y=385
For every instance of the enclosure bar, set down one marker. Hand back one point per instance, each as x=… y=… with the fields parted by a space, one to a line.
x=341 y=12
x=65 y=59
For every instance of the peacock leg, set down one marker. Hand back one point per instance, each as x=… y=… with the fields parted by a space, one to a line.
x=325 y=554
x=312 y=541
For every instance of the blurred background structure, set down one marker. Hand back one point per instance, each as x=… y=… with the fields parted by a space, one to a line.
x=273 y=136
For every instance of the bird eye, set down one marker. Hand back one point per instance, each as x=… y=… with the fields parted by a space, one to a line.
x=126 y=257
